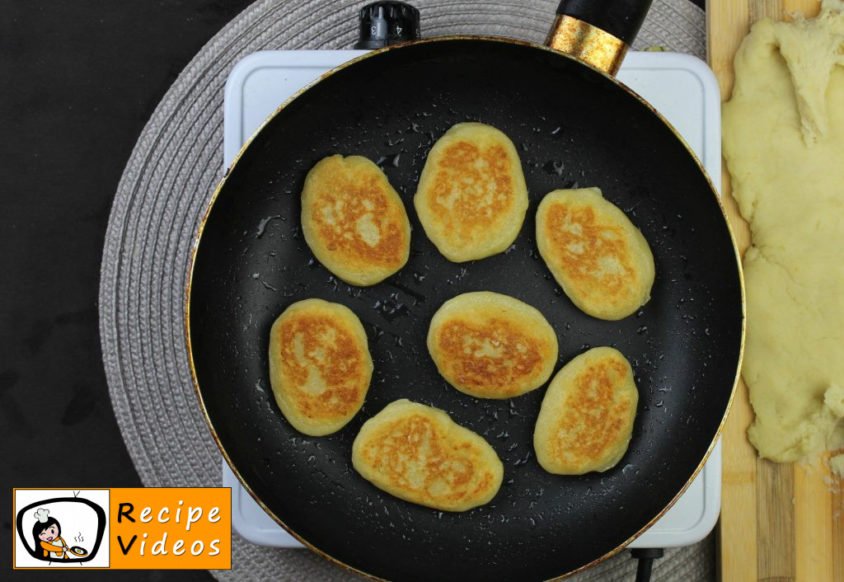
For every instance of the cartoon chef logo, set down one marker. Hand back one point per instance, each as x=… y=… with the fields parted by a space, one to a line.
x=60 y=531
x=47 y=535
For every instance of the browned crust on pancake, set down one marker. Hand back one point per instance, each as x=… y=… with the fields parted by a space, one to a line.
x=586 y=419
x=599 y=240
x=491 y=345
x=319 y=364
x=419 y=454
x=342 y=238
x=341 y=367
x=353 y=191
x=596 y=254
x=471 y=212
x=472 y=197
x=403 y=439
x=595 y=416
x=520 y=357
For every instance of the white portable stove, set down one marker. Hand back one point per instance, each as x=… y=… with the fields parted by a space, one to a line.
x=681 y=87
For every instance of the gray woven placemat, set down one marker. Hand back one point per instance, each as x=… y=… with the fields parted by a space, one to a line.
x=163 y=192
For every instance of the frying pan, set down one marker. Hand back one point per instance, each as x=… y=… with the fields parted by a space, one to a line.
x=573 y=124
x=78 y=551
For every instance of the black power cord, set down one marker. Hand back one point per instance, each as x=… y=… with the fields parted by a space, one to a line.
x=646 y=557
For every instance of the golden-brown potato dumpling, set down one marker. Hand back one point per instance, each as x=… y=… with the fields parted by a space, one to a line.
x=320 y=367
x=587 y=415
x=417 y=453
x=490 y=345
x=472 y=195
x=599 y=258
x=354 y=221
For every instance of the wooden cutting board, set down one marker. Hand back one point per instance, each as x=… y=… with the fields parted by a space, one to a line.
x=778 y=522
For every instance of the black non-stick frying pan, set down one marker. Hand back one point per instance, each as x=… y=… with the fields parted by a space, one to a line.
x=573 y=125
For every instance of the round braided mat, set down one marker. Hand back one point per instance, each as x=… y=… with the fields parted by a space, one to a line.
x=164 y=191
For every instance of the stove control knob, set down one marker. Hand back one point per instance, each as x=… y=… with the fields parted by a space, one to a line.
x=387 y=23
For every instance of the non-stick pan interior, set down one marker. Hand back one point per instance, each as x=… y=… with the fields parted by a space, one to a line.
x=572 y=127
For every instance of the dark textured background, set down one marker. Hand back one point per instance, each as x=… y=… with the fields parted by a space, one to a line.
x=78 y=81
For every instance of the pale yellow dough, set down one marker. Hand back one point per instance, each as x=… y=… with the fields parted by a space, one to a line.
x=784 y=146
x=836 y=465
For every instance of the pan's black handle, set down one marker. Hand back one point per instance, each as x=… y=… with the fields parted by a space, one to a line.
x=597 y=32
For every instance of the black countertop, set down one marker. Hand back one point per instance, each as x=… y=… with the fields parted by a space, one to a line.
x=78 y=81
